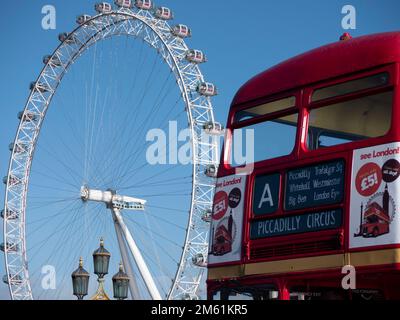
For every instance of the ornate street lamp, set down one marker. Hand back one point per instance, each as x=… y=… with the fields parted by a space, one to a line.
x=120 y=284
x=80 y=281
x=101 y=260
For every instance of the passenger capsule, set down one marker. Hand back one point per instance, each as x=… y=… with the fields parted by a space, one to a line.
x=181 y=31
x=55 y=61
x=207 y=215
x=103 y=7
x=195 y=56
x=144 y=4
x=164 y=13
x=14 y=279
x=199 y=260
x=207 y=89
x=10 y=214
x=11 y=247
x=38 y=86
x=213 y=128
x=83 y=19
x=189 y=296
x=65 y=37
x=27 y=116
x=12 y=181
x=127 y=4
x=211 y=171
x=19 y=148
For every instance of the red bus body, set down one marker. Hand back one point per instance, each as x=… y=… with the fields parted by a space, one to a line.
x=312 y=262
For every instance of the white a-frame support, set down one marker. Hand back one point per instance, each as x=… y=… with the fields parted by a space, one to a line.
x=116 y=203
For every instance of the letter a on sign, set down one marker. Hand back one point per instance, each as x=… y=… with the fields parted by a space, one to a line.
x=349 y=20
x=49 y=20
x=349 y=280
x=266 y=197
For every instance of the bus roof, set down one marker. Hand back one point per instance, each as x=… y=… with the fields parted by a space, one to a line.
x=329 y=61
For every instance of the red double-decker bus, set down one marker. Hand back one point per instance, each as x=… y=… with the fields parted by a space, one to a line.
x=314 y=214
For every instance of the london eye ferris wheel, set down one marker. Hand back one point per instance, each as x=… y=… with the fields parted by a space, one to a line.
x=79 y=166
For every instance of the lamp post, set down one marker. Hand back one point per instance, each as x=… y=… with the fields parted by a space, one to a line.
x=120 y=284
x=80 y=281
x=101 y=261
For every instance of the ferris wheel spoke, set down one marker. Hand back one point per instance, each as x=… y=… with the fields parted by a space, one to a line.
x=72 y=173
x=131 y=173
x=157 y=234
x=117 y=140
x=168 y=209
x=136 y=150
x=36 y=247
x=47 y=219
x=144 y=244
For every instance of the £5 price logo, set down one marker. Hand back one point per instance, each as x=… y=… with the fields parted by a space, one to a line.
x=368 y=179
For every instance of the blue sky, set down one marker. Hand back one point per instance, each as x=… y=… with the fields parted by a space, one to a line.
x=240 y=38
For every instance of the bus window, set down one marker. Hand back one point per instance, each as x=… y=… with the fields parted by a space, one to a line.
x=265 y=108
x=326 y=293
x=375 y=81
x=265 y=140
x=318 y=293
x=351 y=120
x=263 y=292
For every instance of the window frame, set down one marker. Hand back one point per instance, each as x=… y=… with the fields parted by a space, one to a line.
x=227 y=148
x=308 y=105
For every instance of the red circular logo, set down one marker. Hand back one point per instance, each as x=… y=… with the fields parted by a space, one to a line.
x=368 y=179
x=220 y=205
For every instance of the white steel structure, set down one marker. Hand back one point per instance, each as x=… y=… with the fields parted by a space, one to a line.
x=153 y=28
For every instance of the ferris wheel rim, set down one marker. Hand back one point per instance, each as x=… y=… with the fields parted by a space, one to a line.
x=151 y=23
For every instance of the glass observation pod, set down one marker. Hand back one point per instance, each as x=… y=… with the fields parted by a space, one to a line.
x=64 y=37
x=207 y=89
x=13 y=180
x=207 y=215
x=55 y=61
x=213 y=128
x=19 y=148
x=103 y=7
x=181 y=31
x=27 y=116
x=14 y=279
x=10 y=214
x=11 y=247
x=41 y=87
x=199 y=260
x=127 y=4
x=189 y=296
x=211 y=171
x=144 y=4
x=196 y=56
x=82 y=19
x=164 y=13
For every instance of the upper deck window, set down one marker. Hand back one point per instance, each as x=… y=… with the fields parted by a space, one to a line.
x=264 y=140
x=375 y=81
x=351 y=120
x=266 y=108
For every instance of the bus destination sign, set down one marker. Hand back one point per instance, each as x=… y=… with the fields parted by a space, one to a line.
x=309 y=222
x=316 y=185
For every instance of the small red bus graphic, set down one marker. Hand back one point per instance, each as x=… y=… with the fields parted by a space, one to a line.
x=376 y=221
x=222 y=241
